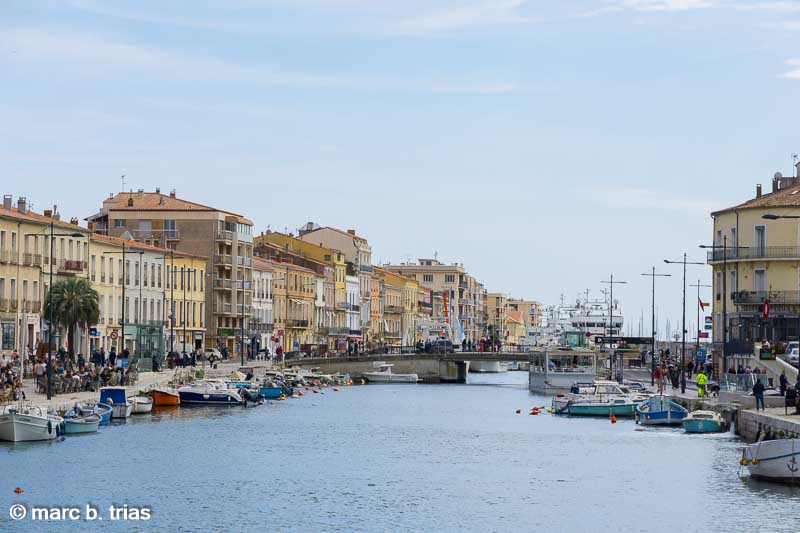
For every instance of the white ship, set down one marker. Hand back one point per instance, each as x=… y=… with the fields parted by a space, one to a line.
x=586 y=319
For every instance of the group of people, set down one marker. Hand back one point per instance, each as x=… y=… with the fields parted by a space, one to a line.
x=668 y=374
x=10 y=378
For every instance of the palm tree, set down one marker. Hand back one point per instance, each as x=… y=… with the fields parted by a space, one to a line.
x=74 y=303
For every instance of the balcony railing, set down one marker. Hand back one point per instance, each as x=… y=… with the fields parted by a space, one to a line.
x=221 y=259
x=8 y=305
x=222 y=283
x=224 y=235
x=172 y=234
x=224 y=308
x=365 y=268
x=393 y=309
x=31 y=259
x=244 y=261
x=293 y=323
x=7 y=256
x=71 y=265
x=260 y=327
x=758 y=297
x=338 y=331
x=754 y=252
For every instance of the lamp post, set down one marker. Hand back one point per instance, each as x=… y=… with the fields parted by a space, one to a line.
x=611 y=282
x=684 y=262
x=697 y=339
x=724 y=249
x=50 y=307
x=654 y=275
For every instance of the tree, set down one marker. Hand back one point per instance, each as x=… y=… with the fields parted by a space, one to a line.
x=75 y=303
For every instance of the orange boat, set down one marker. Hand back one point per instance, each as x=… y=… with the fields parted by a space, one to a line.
x=163 y=396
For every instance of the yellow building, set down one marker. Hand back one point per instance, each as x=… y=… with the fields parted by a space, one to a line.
x=756 y=258
x=293 y=301
x=184 y=301
x=497 y=318
x=328 y=256
x=25 y=268
x=399 y=305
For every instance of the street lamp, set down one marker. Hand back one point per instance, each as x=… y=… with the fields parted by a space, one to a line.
x=683 y=333
x=654 y=275
x=76 y=235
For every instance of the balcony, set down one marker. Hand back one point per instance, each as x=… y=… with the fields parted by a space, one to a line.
x=463 y=285
x=395 y=309
x=172 y=235
x=338 y=331
x=753 y=253
x=223 y=308
x=222 y=283
x=758 y=297
x=244 y=261
x=293 y=323
x=222 y=259
x=71 y=266
x=260 y=327
x=224 y=235
x=8 y=256
x=8 y=305
x=31 y=259
x=365 y=268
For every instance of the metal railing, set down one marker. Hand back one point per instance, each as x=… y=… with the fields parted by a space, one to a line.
x=742 y=382
x=225 y=308
x=224 y=235
x=758 y=297
x=222 y=283
x=393 y=309
x=31 y=259
x=293 y=323
x=223 y=259
x=8 y=256
x=753 y=252
x=71 y=265
x=244 y=261
x=261 y=327
x=365 y=268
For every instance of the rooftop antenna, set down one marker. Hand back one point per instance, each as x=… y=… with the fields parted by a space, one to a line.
x=435 y=255
x=123 y=183
x=794 y=164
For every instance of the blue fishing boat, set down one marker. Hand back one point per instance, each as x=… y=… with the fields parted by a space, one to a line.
x=81 y=424
x=116 y=397
x=209 y=392
x=270 y=392
x=660 y=410
x=704 y=422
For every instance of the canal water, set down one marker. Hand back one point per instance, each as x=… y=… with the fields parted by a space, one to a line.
x=396 y=458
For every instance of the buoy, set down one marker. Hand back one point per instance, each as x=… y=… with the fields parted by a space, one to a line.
x=300 y=393
x=315 y=392
x=18 y=491
x=754 y=462
x=335 y=389
x=518 y=411
x=307 y=388
x=613 y=419
x=549 y=409
x=535 y=411
x=744 y=462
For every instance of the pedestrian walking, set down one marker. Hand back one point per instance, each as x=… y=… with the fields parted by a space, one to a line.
x=784 y=381
x=658 y=377
x=758 y=392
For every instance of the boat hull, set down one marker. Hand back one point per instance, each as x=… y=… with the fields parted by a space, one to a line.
x=270 y=393
x=660 y=411
x=210 y=398
x=702 y=426
x=142 y=405
x=589 y=409
x=774 y=460
x=164 y=398
x=20 y=427
x=79 y=426
x=379 y=377
x=122 y=410
x=555 y=382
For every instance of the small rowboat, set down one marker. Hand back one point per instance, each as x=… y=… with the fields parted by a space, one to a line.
x=703 y=422
x=142 y=404
x=81 y=424
x=660 y=410
x=163 y=396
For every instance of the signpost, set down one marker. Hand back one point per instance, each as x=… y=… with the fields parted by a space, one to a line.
x=622 y=340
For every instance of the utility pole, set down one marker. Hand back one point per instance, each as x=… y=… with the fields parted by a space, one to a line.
x=611 y=282
x=683 y=332
x=697 y=338
x=654 y=275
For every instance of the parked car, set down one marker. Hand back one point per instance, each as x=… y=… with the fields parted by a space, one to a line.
x=793 y=356
x=212 y=355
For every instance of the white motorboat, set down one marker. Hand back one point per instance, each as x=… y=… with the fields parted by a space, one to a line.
x=384 y=374
x=597 y=398
x=142 y=404
x=773 y=460
x=554 y=369
x=209 y=392
x=23 y=423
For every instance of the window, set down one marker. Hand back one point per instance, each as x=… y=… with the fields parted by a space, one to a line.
x=93 y=267
x=202 y=318
x=427 y=278
x=8 y=336
x=168 y=276
x=449 y=278
x=201 y=283
x=194 y=279
x=136 y=273
x=127 y=273
x=733 y=286
x=170 y=229
x=119 y=223
x=144 y=276
x=159 y=276
x=760 y=241
x=760 y=280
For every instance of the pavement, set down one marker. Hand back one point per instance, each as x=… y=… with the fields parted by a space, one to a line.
x=146 y=381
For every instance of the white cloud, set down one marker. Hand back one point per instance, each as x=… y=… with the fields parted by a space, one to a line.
x=459 y=17
x=667 y=5
x=96 y=51
x=781 y=6
x=794 y=73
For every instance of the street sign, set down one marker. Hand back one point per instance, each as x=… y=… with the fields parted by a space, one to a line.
x=114 y=335
x=702 y=334
x=707 y=327
x=623 y=340
x=708 y=321
x=93 y=332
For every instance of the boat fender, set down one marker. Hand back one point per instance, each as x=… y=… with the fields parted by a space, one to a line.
x=18 y=490
x=49 y=427
x=550 y=410
x=754 y=461
x=744 y=462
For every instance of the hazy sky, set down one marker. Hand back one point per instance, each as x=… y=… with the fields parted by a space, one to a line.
x=544 y=144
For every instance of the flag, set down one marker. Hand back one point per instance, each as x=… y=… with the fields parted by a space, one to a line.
x=765 y=309
x=702 y=304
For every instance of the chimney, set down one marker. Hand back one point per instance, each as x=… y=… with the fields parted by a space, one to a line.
x=351 y=231
x=48 y=213
x=22 y=205
x=758 y=190
x=158 y=190
x=7 y=201
x=73 y=221
x=172 y=193
x=130 y=200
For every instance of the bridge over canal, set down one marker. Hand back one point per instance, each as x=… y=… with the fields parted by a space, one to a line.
x=430 y=367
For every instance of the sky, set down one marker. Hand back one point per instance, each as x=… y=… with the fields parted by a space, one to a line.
x=543 y=144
